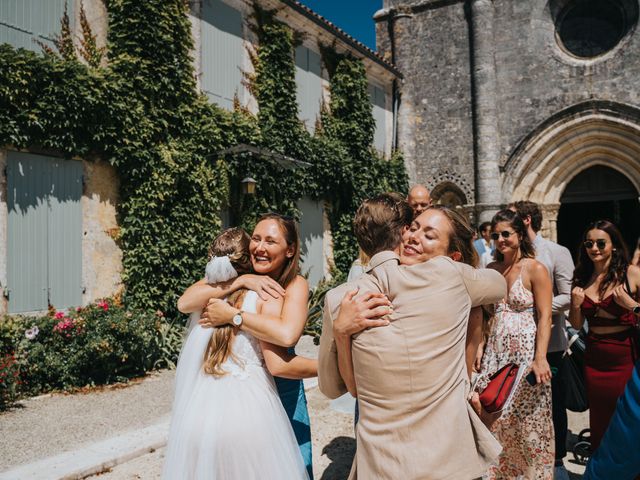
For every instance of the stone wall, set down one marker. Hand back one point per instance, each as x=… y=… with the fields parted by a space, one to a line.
x=101 y=256
x=435 y=129
x=537 y=78
x=456 y=54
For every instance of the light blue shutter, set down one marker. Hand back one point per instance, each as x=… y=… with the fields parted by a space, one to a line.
x=22 y=21
x=309 y=85
x=27 y=189
x=65 y=234
x=222 y=51
x=379 y=111
x=44 y=244
x=311 y=240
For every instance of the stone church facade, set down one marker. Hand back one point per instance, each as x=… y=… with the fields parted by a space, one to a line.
x=503 y=100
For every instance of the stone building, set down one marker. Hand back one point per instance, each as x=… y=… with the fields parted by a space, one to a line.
x=505 y=100
x=58 y=219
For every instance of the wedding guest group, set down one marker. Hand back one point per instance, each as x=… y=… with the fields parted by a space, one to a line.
x=416 y=334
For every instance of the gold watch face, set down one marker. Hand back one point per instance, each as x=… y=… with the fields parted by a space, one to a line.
x=237 y=319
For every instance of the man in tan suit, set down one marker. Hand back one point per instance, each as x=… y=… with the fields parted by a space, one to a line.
x=410 y=376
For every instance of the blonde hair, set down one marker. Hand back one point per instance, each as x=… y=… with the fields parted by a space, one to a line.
x=233 y=243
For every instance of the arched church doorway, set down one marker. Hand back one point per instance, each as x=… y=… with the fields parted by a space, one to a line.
x=597 y=193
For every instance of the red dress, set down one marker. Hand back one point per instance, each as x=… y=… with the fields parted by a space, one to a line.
x=609 y=361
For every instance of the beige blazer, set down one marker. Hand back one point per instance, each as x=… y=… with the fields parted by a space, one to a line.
x=415 y=420
x=329 y=379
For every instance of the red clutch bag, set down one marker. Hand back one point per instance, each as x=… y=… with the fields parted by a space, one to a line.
x=500 y=386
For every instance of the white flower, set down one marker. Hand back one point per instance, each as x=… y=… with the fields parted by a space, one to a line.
x=32 y=332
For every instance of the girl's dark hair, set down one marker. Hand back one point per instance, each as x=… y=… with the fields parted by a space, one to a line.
x=617 y=266
x=527 y=250
x=290 y=231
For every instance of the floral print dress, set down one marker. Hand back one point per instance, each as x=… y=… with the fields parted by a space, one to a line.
x=525 y=428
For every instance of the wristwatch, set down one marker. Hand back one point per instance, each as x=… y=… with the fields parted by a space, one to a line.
x=237 y=319
x=636 y=310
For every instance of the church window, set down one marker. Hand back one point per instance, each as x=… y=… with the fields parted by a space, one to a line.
x=590 y=28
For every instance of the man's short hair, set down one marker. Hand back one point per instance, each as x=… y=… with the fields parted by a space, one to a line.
x=379 y=221
x=525 y=208
x=483 y=226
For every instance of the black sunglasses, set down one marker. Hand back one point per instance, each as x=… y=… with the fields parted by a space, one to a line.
x=504 y=234
x=600 y=243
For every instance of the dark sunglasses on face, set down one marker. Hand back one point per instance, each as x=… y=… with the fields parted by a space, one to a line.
x=600 y=243
x=504 y=234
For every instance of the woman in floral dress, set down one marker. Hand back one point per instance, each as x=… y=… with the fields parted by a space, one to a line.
x=519 y=333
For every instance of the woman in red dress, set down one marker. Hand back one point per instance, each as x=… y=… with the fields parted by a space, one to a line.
x=605 y=293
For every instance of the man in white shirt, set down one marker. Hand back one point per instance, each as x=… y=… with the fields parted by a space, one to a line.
x=559 y=263
x=484 y=245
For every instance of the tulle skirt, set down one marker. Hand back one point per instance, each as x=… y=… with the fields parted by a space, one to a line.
x=228 y=428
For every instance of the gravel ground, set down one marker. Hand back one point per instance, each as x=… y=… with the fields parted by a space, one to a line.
x=52 y=424
x=333 y=447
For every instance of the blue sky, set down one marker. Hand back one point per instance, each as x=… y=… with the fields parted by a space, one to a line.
x=352 y=16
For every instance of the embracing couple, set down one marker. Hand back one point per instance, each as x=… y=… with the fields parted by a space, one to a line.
x=399 y=338
x=239 y=409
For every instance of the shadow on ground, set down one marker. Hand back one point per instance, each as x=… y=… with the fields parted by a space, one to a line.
x=340 y=451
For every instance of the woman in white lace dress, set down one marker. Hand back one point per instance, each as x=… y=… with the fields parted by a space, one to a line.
x=228 y=422
x=519 y=334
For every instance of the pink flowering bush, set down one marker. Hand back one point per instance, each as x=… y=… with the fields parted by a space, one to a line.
x=9 y=379
x=101 y=343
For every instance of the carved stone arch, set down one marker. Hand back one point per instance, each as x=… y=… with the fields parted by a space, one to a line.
x=449 y=195
x=450 y=177
x=575 y=139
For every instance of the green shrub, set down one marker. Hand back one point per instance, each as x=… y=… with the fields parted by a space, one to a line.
x=316 y=304
x=99 y=344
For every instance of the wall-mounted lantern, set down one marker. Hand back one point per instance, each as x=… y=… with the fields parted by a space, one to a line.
x=248 y=186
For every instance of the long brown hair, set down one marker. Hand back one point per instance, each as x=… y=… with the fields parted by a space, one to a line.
x=289 y=230
x=527 y=250
x=617 y=266
x=461 y=239
x=233 y=243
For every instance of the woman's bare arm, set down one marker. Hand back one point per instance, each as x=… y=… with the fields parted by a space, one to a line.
x=474 y=337
x=282 y=364
x=543 y=296
x=284 y=329
x=278 y=360
x=345 y=363
x=196 y=296
x=576 y=317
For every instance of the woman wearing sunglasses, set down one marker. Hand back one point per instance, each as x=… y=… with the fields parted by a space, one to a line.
x=519 y=333
x=605 y=294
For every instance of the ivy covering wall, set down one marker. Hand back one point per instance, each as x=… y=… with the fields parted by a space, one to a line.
x=141 y=111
